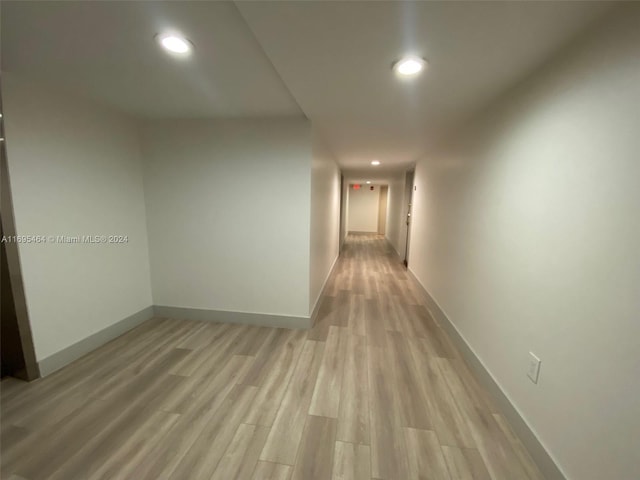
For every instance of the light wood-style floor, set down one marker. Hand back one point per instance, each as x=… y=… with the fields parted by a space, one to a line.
x=374 y=390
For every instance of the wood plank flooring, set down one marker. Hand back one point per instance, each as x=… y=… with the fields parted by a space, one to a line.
x=375 y=390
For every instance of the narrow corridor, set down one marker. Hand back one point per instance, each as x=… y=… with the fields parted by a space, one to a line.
x=374 y=390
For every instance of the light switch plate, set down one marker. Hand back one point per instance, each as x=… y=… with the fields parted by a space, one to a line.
x=533 y=372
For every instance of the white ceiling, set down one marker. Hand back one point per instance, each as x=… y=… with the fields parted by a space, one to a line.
x=328 y=60
x=339 y=71
x=107 y=50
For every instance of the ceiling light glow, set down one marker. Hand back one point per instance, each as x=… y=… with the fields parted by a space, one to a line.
x=368 y=182
x=175 y=43
x=375 y=162
x=409 y=66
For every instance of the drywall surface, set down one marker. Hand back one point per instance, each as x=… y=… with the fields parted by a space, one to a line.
x=228 y=214
x=363 y=209
x=75 y=170
x=325 y=217
x=344 y=225
x=383 y=203
x=396 y=215
x=526 y=232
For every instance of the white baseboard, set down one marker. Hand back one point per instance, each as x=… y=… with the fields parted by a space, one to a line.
x=79 y=349
x=545 y=462
x=73 y=352
x=316 y=306
x=222 y=316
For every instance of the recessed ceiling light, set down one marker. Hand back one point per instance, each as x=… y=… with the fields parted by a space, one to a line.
x=174 y=43
x=375 y=162
x=409 y=66
x=368 y=182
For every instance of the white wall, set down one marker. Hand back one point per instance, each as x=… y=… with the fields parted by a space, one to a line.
x=75 y=169
x=363 y=209
x=325 y=217
x=228 y=214
x=527 y=233
x=344 y=227
x=396 y=215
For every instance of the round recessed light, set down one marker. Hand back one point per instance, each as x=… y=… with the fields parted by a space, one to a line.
x=368 y=182
x=174 y=43
x=375 y=162
x=409 y=66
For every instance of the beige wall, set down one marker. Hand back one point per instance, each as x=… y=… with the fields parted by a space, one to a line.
x=396 y=214
x=75 y=169
x=382 y=209
x=363 y=209
x=325 y=217
x=526 y=233
x=228 y=214
x=344 y=227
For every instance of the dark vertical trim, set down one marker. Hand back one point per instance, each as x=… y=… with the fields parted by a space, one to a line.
x=31 y=370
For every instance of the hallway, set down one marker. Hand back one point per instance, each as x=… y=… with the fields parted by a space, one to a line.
x=374 y=390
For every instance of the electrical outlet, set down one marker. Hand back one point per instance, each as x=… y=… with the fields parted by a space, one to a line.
x=534 y=367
